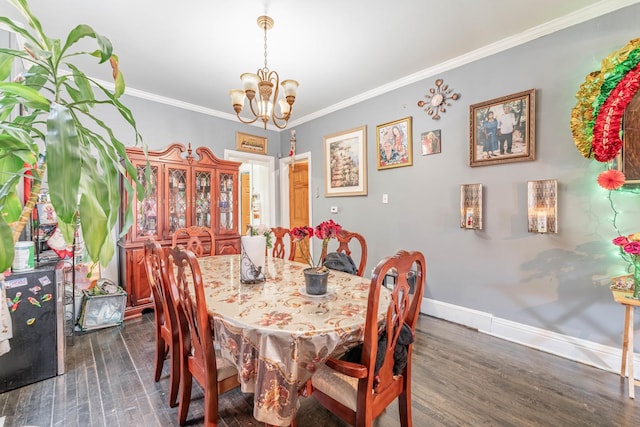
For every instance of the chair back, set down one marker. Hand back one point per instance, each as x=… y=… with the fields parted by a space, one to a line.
x=195 y=241
x=166 y=323
x=359 y=389
x=345 y=239
x=196 y=336
x=156 y=269
x=280 y=247
x=387 y=348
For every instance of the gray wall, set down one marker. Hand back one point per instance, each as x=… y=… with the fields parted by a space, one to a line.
x=554 y=282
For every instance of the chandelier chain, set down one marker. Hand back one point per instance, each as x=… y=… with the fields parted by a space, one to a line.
x=266 y=69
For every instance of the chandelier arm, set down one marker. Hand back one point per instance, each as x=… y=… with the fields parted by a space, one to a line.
x=248 y=122
x=284 y=117
x=254 y=111
x=273 y=119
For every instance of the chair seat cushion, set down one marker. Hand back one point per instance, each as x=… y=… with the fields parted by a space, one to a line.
x=339 y=387
x=226 y=369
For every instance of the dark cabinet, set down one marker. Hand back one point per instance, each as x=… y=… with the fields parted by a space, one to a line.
x=185 y=190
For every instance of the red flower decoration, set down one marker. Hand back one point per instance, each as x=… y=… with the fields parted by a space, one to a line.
x=611 y=179
x=632 y=248
x=606 y=129
x=620 y=241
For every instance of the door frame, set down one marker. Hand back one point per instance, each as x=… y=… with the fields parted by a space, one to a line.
x=285 y=164
x=241 y=156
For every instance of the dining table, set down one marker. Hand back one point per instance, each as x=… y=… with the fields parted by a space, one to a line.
x=275 y=333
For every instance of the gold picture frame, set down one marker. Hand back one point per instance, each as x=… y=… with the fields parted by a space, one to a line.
x=489 y=143
x=394 y=144
x=251 y=143
x=345 y=163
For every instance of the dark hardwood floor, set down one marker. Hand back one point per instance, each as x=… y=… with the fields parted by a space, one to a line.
x=461 y=378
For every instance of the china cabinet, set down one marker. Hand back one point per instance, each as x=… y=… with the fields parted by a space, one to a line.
x=184 y=190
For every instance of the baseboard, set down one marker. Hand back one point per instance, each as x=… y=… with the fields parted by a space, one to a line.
x=576 y=349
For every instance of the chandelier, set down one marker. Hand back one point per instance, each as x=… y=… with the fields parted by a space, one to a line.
x=264 y=84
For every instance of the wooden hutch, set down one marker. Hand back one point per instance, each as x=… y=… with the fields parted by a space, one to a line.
x=185 y=191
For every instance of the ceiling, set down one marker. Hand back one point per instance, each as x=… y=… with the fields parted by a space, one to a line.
x=190 y=53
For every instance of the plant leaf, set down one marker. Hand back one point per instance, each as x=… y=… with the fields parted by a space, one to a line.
x=12 y=208
x=7 y=251
x=6 y=62
x=32 y=97
x=64 y=162
x=83 y=85
x=93 y=222
x=22 y=6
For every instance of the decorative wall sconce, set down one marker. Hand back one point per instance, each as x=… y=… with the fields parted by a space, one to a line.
x=542 y=206
x=471 y=206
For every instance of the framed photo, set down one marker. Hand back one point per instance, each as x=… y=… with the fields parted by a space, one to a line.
x=251 y=143
x=393 y=143
x=430 y=142
x=345 y=163
x=502 y=130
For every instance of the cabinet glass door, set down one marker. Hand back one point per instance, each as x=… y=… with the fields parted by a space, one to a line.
x=226 y=203
x=147 y=209
x=177 y=199
x=203 y=198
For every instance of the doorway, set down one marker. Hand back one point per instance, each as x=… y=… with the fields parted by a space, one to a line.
x=257 y=189
x=296 y=192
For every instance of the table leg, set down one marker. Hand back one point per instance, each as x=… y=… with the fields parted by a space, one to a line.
x=625 y=341
x=629 y=332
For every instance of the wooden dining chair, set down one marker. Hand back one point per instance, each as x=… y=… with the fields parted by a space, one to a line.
x=198 y=358
x=195 y=242
x=165 y=318
x=358 y=392
x=279 y=245
x=344 y=239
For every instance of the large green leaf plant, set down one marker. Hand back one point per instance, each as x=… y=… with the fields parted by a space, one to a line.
x=47 y=124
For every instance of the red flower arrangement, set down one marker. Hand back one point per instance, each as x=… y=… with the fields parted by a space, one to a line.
x=629 y=248
x=326 y=231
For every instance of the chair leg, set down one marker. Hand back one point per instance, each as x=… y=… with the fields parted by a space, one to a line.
x=210 y=408
x=185 y=395
x=174 y=376
x=404 y=405
x=161 y=353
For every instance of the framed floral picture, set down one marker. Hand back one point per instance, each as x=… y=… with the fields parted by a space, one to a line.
x=345 y=163
x=393 y=143
x=251 y=143
x=502 y=130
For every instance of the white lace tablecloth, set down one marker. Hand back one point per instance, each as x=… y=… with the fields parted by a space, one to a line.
x=277 y=335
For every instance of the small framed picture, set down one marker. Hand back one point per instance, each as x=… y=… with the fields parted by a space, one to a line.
x=502 y=130
x=393 y=141
x=251 y=143
x=345 y=163
x=430 y=142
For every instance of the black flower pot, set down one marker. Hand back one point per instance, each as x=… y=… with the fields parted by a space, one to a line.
x=315 y=281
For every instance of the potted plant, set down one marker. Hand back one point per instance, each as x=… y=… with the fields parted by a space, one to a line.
x=48 y=124
x=316 y=275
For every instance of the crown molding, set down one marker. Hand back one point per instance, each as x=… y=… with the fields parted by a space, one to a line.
x=587 y=13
